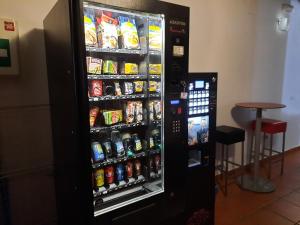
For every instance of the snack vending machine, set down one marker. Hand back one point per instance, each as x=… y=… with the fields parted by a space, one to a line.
x=116 y=72
x=201 y=119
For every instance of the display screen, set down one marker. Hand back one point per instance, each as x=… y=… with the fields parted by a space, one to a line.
x=199 y=84
x=174 y=102
x=198 y=130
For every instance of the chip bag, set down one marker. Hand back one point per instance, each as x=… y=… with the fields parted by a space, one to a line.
x=93 y=115
x=129 y=33
x=155 y=69
x=90 y=29
x=155 y=35
x=107 y=30
x=110 y=67
x=94 y=65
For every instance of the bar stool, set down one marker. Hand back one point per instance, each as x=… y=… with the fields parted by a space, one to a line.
x=271 y=127
x=227 y=135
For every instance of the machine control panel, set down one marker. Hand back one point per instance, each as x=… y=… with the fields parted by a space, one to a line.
x=176 y=114
x=176 y=126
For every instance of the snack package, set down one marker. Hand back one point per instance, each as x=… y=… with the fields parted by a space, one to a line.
x=158 y=87
x=107 y=30
x=157 y=109
x=137 y=167
x=93 y=115
x=130 y=37
x=128 y=88
x=129 y=169
x=138 y=111
x=118 y=91
x=90 y=28
x=129 y=112
x=106 y=144
x=129 y=68
x=109 y=174
x=137 y=144
x=120 y=172
x=95 y=88
x=128 y=145
x=112 y=117
x=99 y=177
x=117 y=143
x=155 y=69
x=157 y=163
x=110 y=67
x=152 y=86
x=94 y=65
x=155 y=35
x=97 y=151
x=151 y=110
x=138 y=86
x=108 y=88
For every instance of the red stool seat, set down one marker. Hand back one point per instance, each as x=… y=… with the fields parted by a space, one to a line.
x=271 y=126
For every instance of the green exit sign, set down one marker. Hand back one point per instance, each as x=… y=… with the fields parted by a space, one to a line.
x=5 y=60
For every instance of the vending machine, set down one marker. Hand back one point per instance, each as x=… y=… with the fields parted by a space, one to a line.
x=201 y=120
x=117 y=75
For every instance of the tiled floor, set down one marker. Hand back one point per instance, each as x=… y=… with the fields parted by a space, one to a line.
x=281 y=207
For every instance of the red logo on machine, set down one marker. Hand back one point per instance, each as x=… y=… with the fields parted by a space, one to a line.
x=9 y=26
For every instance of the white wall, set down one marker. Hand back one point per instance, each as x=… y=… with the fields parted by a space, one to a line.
x=291 y=93
x=222 y=36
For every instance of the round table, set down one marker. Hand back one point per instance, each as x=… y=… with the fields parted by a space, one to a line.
x=256 y=183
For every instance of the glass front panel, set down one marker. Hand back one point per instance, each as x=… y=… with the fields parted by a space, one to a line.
x=125 y=72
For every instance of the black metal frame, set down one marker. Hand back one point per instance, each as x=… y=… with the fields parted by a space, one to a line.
x=224 y=172
x=201 y=179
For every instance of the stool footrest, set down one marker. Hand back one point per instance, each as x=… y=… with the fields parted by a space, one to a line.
x=233 y=163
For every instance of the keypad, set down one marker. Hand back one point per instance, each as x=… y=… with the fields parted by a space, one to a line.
x=198 y=101
x=176 y=126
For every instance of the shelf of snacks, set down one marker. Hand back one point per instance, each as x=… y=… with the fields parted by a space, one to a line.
x=118 y=160
x=117 y=50
x=117 y=126
x=122 y=97
x=114 y=188
x=118 y=77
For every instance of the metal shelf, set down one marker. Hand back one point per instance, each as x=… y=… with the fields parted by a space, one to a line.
x=125 y=97
x=156 y=122
x=116 y=77
x=158 y=77
x=154 y=95
x=154 y=151
x=118 y=126
x=155 y=52
x=118 y=160
x=117 y=51
x=119 y=187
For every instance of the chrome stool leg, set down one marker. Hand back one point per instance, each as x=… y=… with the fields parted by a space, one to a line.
x=270 y=156
x=226 y=169
x=282 y=154
x=242 y=163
